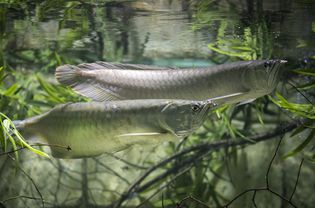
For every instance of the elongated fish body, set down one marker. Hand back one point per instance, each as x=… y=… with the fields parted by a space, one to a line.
x=229 y=83
x=90 y=129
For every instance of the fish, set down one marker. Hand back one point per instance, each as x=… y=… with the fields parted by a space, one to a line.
x=78 y=130
x=227 y=83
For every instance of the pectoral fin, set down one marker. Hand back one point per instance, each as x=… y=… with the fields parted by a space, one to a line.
x=145 y=138
x=140 y=134
x=246 y=102
x=228 y=98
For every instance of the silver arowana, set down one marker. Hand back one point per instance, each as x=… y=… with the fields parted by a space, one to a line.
x=90 y=129
x=226 y=83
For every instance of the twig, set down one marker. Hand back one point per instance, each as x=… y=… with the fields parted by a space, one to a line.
x=299 y=91
x=179 y=205
x=203 y=150
x=111 y=170
x=253 y=199
x=33 y=145
x=172 y=170
x=127 y=162
x=165 y=186
x=267 y=188
x=297 y=179
x=270 y=164
x=20 y=196
x=32 y=181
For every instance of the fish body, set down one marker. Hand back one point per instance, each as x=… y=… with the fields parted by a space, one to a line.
x=228 y=83
x=79 y=130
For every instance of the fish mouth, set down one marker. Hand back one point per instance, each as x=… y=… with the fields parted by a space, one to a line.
x=274 y=73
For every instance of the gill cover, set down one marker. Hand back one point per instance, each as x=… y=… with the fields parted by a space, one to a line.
x=183 y=119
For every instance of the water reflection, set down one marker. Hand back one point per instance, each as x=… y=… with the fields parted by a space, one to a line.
x=142 y=30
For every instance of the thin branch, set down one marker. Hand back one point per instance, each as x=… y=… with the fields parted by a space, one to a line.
x=297 y=180
x=267 y=188
x=179 y=205
x=34 y=145
x=270 y=164
x=111 y=170
x=20 y=196
x=243 y=193
x=299 y=91
x=253 y=199
x=165 y=186
x=202 y=149
x=127 y=162
x=33 y=182
x=282 y=197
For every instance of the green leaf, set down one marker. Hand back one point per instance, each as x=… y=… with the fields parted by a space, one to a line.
x=5 y=127
x=304 y=110
x=302 y=128
x=306 y=72
x=21 y=139
x=302 y=145
x=9 y=129
x=307 y=86
x=241 y=55
x=58 y=58
x=11 y=91
x=49 y=89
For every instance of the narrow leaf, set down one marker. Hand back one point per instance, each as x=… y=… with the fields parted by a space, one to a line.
x=302 y=145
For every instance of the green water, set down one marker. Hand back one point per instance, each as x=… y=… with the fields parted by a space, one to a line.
x=38 y=36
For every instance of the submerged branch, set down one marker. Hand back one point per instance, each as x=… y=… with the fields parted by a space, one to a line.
x=34 y=145
x=33 y=182
x=267 y=187
x=200 y=151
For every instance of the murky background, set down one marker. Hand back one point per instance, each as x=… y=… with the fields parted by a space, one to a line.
x=38 y=36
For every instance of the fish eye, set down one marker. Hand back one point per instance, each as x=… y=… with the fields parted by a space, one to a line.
x=195 y=107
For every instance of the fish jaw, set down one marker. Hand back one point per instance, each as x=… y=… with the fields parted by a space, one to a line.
x=262 y=77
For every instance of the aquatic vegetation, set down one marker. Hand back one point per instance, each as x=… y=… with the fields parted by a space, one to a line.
x=28 y=95
x=251 y=47
x=10 y=132
x=249 y=43
x=301 y=110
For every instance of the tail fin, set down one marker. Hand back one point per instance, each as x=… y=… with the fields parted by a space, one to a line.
x=67 y=75
x=71 y=76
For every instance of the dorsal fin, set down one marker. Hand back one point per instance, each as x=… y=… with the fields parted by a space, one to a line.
x=99 y=65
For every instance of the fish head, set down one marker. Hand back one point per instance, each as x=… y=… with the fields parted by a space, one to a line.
x=262 y=76
x=183 y=117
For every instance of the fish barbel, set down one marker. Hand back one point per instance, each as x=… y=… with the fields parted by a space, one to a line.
x=93 y=128
x=229 y=83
